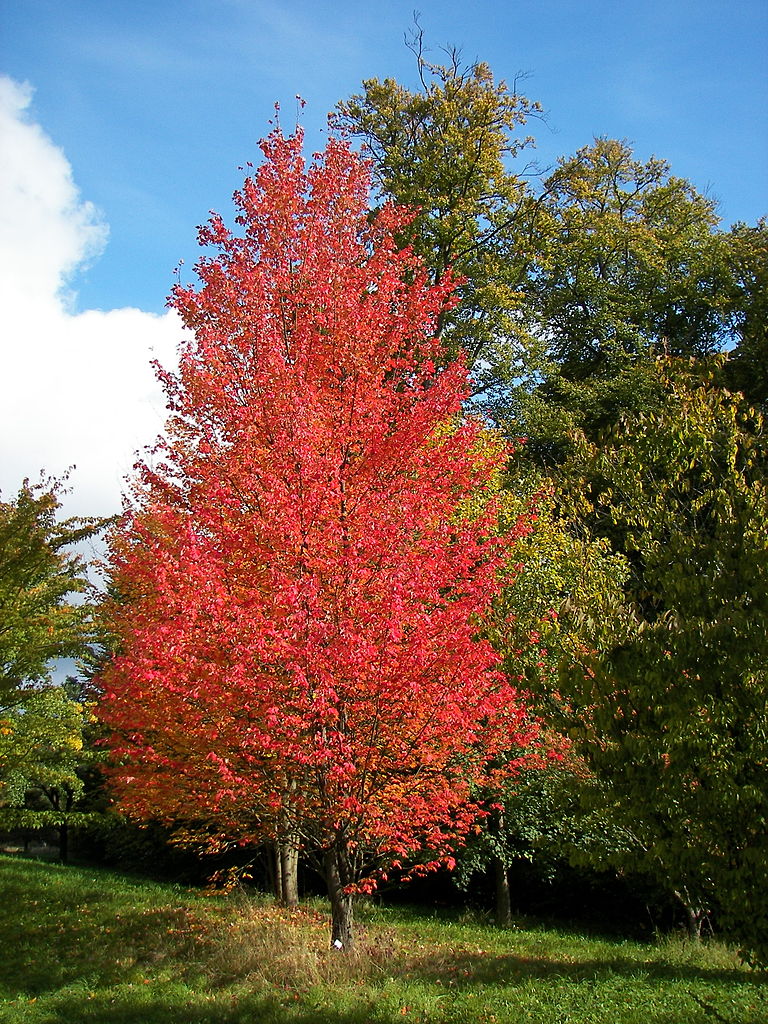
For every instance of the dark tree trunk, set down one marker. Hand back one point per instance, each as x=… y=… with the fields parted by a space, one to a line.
x=64 y=842
x=503 y=899
x=61 y=799
x=342 y=917
x=276 y=871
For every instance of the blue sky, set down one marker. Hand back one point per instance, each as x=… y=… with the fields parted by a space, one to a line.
x=128 y=121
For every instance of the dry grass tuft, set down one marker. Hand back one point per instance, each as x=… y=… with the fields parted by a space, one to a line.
x=290 y=949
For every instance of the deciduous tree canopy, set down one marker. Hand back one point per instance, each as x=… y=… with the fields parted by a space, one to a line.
x=444 y=151
x=670 y=708
x=300 y=587
x=39 y=573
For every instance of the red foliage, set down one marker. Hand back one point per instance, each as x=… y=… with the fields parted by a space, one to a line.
x=300 y=595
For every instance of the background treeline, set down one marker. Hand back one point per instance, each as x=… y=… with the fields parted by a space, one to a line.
x=612 y=322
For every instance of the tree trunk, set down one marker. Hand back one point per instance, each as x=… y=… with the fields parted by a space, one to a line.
x=284 y=871
x=64 y=843
x=288 y=854
x=503 y=899
x=342 y=937
x=695 y=914
x=276 y=871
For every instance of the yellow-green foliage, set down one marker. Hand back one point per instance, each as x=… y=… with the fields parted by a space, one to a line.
x=41 y=746
x=443 y=150
x=38 y=574
x=670 y=706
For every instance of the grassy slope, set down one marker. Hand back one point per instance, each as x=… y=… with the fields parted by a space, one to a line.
x=85 y=945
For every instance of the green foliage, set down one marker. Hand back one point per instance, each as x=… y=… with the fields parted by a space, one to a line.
x=45 y=762
x=443 y=149
x=549 y=817
x=38 y=575
x=41 y=746
x=747 y=369
x=627 y=265
x=91 y=946
x=572 y=287
x=522 y=826
x=628 y=260
x=43 y=751
x=536 y=815
x=669 y=708
x=561 y=569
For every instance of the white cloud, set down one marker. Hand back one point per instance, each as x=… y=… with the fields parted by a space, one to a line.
x=75 y=389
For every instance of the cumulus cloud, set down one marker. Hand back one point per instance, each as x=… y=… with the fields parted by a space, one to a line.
x=76 y=389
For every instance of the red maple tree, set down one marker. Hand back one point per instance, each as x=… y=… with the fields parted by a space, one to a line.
x=301 y=581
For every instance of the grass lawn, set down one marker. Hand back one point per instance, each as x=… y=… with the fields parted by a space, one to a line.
x=85 y=945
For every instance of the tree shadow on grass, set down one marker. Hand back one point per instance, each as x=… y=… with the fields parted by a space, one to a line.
x=487 y=969
x=52 y=937
x=108 y=1008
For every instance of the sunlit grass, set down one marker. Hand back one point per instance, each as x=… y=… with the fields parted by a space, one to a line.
x=89 y=945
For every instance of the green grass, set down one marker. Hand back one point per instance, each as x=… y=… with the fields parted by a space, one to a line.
x=86 y=945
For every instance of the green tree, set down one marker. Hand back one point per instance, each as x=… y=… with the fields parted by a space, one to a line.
x=561 y=569
x=747 y=369
x=628 y=265
x=42 y=726
x=444 y=148
x=39 y=575
x=670 y=708
x=45 y=755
